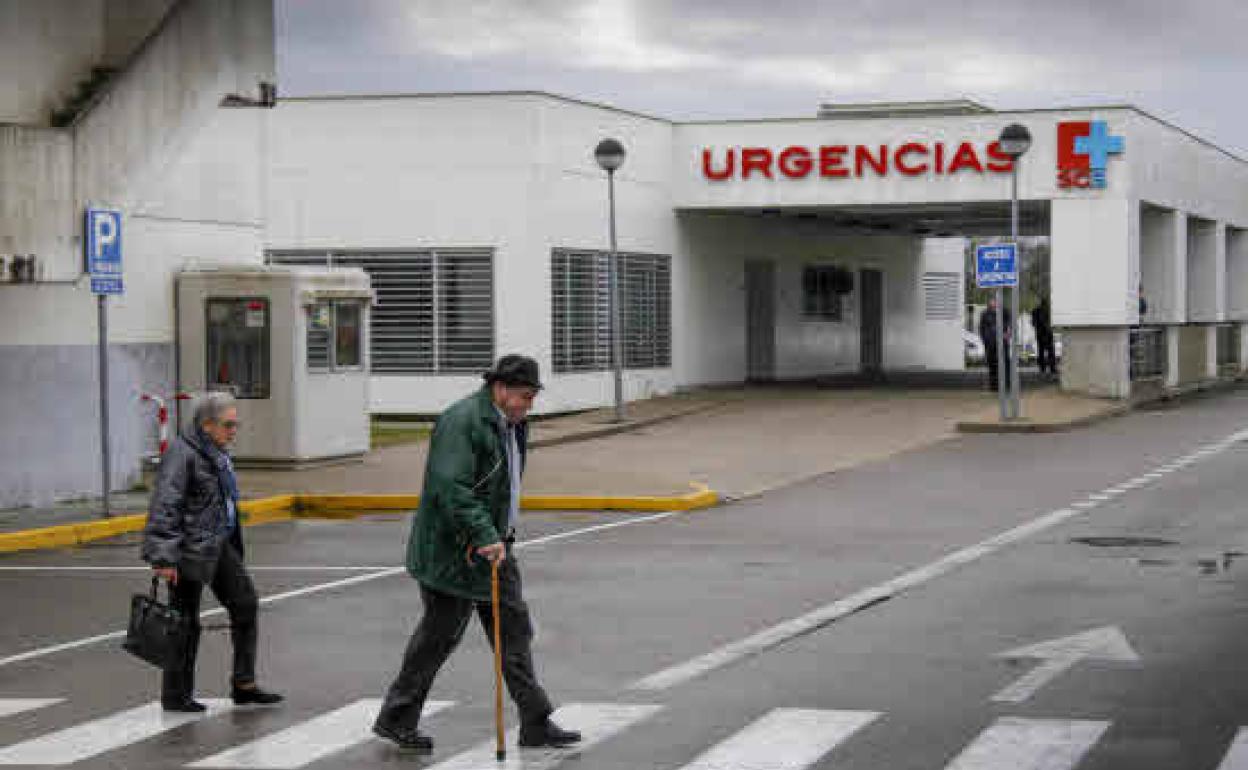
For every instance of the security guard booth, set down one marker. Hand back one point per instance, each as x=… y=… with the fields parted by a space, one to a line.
x=291 y=344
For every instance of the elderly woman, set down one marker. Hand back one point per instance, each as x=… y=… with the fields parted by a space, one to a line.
x=193 y=539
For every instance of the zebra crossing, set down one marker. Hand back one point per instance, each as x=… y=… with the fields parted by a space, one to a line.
x=780 y=739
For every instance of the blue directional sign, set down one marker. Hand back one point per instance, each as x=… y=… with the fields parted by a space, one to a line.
x=996 y=266
x=103 y=244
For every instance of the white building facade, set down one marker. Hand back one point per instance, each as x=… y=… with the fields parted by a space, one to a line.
x=754 y=250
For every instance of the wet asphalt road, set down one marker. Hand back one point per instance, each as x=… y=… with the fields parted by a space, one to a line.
x=616 y=605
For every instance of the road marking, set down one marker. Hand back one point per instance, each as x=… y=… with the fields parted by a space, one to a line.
x=778 y=634
x=782 y=632
x=250 y=568
x=596 y=721
x=784 y=739
x=11 y=706
x=91 y=739
x=1060 y=655
x=1237 y=755
x=1030 y=744
x=321 y=587
x=309 y=741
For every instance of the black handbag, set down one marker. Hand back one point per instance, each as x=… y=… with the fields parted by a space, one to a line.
x=157 y=633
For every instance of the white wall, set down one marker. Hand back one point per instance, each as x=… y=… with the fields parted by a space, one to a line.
x=1095 y=262
x=46 y=47
x=514 y=173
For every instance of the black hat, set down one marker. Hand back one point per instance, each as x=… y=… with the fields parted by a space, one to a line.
x=515 y=370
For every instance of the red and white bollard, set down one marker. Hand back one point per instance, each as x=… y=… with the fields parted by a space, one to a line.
x=162 y=419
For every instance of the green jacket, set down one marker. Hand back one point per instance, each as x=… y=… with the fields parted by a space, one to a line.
x=465 y=498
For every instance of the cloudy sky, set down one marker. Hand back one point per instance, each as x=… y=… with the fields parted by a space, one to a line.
x=1185 y=61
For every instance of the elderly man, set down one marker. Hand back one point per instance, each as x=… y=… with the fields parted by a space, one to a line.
x=467 y=516
x=193 y=539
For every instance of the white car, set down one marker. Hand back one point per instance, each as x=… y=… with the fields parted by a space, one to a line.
x=973 y=348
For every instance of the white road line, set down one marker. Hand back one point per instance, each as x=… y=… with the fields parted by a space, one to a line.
x=784 y=739
x=828 y=613
x=1237 y=755
x=1030 y=744
x=321 y=587
x=309 y=741
x=250 y=568
x=102 y=735
x=11 y=706
x=596 y=721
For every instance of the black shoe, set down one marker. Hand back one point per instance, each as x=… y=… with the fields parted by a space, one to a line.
x=408 y=738
x=254 y=695
x=184 y=706
x=547 y=733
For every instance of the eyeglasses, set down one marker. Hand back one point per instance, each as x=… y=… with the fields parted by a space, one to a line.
x=230 y=424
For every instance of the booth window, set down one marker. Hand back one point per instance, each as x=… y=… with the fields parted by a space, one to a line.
x=335 y=334
x=434 y=312
x=581 y=310
x=238 y=346
x=822 y=289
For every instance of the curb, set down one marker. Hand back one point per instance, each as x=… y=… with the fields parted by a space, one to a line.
x=1023 y=426
x=339 y=507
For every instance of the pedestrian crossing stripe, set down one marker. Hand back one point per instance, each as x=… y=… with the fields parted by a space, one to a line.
x=782 y=739
x=596 y=721
x=309 y=741
x=11 y=706
x=99 y=736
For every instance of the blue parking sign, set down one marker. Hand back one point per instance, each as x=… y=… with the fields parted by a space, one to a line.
x=103 y=245
x=996 y=266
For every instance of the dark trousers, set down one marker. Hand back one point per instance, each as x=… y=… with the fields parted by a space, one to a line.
x=990 y=353
x=1046 y=354
x=438 y=633
x=233 y=588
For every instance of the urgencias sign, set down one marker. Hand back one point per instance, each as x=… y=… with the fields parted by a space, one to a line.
x=846 y=161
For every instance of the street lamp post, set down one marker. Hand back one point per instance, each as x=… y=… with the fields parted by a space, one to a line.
x=610 y=156
x=1014 y=141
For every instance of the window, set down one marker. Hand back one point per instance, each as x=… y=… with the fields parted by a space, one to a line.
x=334 y=328
x=238 y=346
x=581 y=310
x=434 y=312
x=822 y=289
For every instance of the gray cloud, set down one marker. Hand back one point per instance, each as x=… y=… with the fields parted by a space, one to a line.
x=689 y=59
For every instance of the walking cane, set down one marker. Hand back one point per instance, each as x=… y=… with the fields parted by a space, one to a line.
x=500 y=752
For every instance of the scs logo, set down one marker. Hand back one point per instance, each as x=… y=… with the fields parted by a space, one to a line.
x=1083 y=150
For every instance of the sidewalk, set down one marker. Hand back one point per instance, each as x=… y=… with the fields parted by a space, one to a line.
x=1045 y=410
x=738 y=441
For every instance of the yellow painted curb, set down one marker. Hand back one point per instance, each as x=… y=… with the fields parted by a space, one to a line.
x=287 y=507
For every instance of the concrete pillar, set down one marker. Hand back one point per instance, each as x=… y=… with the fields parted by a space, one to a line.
x=1172 y=355
x=1163 y=264
x=1202 y=270
x=1211 y=352
x=1095 y=277
x=1097 y=361
x=1243 y=348
x=1237 y=273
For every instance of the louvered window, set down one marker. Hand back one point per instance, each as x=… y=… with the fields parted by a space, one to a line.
x=581 y=310
x=941 y=296
x=434 y=311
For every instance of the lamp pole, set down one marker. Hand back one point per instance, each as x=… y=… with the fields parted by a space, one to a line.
x=1014 y=141
x=610 y=156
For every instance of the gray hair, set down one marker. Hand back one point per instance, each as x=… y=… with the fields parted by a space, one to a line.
x=210 y=406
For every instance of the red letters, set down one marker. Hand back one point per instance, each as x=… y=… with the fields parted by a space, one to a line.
x=755 y=159
x=912 y=148
x=1001 y=162
x=795 y=162
x=965 y=157
x=831 y=161
x=863 y=157
x=729 y=165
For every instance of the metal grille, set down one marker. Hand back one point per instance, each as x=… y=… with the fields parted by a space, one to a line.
x=581 y=310
x=318 y=337
x=434 y=310
x=1148 y=353
x=1228 y=345
x=941 y=296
